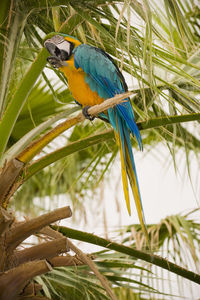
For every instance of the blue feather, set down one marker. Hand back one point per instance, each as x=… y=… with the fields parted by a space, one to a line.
x=111 y=115
x=104 y=77
x=130 y=121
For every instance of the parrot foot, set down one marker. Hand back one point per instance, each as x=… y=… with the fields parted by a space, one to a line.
x=86 y=114
x=54 y=62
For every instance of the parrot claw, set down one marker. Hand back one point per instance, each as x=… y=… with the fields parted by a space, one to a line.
x=55 y=62
x=86 y=114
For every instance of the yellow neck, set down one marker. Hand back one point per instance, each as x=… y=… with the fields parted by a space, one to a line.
x=69 y=68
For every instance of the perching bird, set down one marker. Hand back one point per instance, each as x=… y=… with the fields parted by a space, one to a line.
x=92 y=78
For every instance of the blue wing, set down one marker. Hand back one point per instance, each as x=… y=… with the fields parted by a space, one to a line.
x=103 y=76
x=100 y=68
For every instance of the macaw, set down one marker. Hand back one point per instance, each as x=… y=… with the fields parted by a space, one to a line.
x=93 y=77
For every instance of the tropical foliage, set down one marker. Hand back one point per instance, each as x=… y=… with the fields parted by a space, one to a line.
x=157 y=46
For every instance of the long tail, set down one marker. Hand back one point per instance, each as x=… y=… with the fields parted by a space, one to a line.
x=128 y=167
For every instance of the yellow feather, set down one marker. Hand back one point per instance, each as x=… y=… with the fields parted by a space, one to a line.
x=136 y=194
x=123 y=171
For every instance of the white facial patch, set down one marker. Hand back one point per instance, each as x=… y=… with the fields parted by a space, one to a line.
x=64 y=45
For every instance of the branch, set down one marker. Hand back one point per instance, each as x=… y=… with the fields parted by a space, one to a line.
x=35 y=147
x=73 y=147
x=45 y=250
x=66 y=261
x=8 y=176
x=32 y=289
x=17 y=278
x=48 y=231
x=151 y=258
x=20 y=232
x=167 y=120
x=62 y=152
x=6 y=219
x=93 y=267
x=60 y=261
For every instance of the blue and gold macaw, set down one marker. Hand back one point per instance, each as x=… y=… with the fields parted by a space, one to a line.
x=92 y=78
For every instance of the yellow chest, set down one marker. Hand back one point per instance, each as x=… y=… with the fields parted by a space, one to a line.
x=80 y=90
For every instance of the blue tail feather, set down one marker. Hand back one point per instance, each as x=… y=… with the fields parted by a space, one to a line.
x=128 y=117
x=124 y=134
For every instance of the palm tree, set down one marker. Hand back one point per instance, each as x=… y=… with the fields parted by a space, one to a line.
x=160 y=50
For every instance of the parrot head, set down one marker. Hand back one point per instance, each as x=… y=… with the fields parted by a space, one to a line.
x=60 y=47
